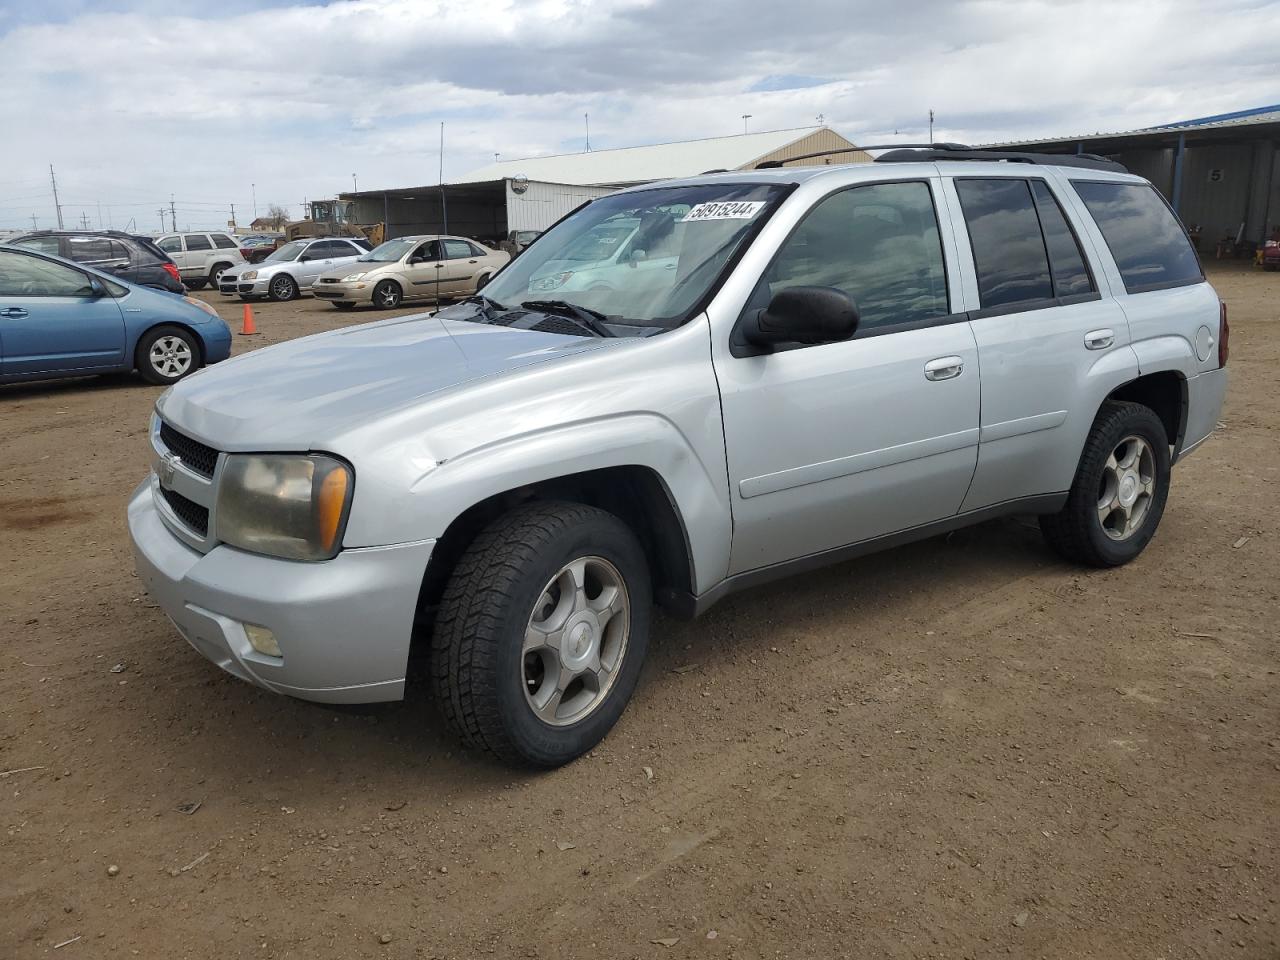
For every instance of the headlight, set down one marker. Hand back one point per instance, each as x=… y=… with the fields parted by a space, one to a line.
x=551 y=282
x=285 y=505
x=202 y=305
x=249 y=275
x=352 y=276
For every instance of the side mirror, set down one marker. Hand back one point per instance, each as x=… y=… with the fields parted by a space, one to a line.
x=415 y=261
x=803 y=315
x=97 y=289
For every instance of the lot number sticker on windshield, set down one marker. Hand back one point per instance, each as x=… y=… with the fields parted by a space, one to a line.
x=724 y=210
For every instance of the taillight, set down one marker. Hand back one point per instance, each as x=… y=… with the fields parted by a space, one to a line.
x=1224 y=334
x=172 y=271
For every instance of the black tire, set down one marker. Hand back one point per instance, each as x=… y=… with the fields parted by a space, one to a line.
x=1076 y=531
x=194 y=284
x=155 y=373
x=481 y=281
x=282 y=288
x=344 y=306
x=477 y=664
x=216 y=269
x=387 y=295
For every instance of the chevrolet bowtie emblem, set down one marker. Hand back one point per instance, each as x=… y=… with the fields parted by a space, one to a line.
x=168 y=464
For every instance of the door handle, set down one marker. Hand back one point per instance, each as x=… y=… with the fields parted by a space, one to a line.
x=16 y=313
x=439 y=266
x=1099 y=339
x=944 y=368
x=472 y=261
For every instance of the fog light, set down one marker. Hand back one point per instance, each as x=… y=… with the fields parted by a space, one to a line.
x=262 y=640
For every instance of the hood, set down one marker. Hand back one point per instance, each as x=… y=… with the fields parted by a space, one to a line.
x=355 y=266
x=297 y=395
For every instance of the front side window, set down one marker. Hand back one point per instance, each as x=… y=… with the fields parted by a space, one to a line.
x=223 y=242
x=644 y=257
x=198 y=241
x=429 y=251
x=24 y=276
x=170 y=244
x=1008 y=248
x=1148 y=243
x=879 y=244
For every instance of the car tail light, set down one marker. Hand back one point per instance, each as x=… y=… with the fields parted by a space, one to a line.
x=1224 y=334
x=172 y=271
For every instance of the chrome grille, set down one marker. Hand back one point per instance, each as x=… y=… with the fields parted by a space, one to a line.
x=200 y=458
x=188 y=511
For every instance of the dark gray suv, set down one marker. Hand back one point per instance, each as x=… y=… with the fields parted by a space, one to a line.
x=135 y=259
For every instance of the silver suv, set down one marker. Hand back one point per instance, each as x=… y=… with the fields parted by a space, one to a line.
x=780 y=369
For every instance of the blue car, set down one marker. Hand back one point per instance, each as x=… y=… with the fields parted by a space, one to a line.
x=63 y=319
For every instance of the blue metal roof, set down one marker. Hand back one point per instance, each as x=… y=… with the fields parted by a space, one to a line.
x=1219 y=118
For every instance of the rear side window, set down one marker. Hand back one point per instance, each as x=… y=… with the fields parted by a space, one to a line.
x=457 y=249
x=223 y=242
x=1145 y=238
x=1008 y=249
x=94 y=249
x=198 y=241
x=1066 y=263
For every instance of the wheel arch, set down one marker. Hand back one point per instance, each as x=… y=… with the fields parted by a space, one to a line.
x=1164 y=392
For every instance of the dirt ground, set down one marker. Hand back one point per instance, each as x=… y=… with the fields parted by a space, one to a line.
x=961 y=748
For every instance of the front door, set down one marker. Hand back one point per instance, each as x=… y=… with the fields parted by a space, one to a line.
x=839 y=443
x=51 y=322
x=424 y=269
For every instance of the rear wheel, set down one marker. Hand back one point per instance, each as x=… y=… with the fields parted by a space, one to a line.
x=216 y=269
x=541 y=633
x=166 y=355
x=194 y=284
x=387 y=295
x=1119 y=491
x=282 y=288
x=481 y=281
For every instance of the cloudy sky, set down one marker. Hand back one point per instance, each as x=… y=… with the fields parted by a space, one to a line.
x=135 y=101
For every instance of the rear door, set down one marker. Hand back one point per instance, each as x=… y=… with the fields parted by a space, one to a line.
x=199 y=249
x=461 y=267
x=1050 y=345
x=50 y=321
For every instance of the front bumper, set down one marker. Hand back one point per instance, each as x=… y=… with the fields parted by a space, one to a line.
x=358 y=291
x=235 y=287
x=343 y=626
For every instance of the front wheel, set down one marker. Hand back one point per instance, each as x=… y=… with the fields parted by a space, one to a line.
x=282 y=288
x=387 y=295
x=166 y=355
x=1119 y=491
x=541 y=633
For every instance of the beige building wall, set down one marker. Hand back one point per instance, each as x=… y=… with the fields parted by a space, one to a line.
x=824 y=139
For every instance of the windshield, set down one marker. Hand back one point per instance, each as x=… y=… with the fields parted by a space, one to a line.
x=644 y=258
x=288 y=252
x=389 y=252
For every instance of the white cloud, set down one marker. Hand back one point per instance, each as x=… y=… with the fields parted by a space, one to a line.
x=134 y=106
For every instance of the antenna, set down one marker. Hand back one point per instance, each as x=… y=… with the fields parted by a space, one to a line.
x=55 y=195
x=821 y=119
x=586 y=119
x=931 y=126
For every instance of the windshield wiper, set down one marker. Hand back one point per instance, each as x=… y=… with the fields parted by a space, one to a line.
x=592 y=320
x=489 y=308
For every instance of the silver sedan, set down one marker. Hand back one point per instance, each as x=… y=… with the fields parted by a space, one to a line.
x=290 y=270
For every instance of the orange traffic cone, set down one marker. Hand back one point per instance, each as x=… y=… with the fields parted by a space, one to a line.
x=249 y=328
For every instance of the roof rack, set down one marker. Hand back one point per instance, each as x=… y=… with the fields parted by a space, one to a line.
x=923 y=152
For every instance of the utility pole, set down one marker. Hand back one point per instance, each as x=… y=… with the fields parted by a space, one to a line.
x=586 y=119
x=354 y=186
x=99 y=202
x=233 y=216
x=931 y=126
x=161 y=212
x=55 y=195
x=745 y=118
x=33 y=222
x=84 y=220
x=254 y=188
x=173 y=214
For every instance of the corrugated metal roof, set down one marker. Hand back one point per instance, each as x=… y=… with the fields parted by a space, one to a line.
x=1241 y=118
x=660 y=161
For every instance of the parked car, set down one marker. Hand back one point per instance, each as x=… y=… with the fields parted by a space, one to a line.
x=411 y=268
x=136 y=259
x=201 y=256
x=841 y=359
x=289 y=270
x=64 y=319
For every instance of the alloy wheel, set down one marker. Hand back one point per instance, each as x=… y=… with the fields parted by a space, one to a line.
x=1127 y=488
x=171 y=356
x=575 y=641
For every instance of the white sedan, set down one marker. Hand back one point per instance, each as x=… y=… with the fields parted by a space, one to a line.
x=290 y=270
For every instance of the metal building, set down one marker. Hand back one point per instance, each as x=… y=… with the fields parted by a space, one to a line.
x=1221 y=173
x=533 y=193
